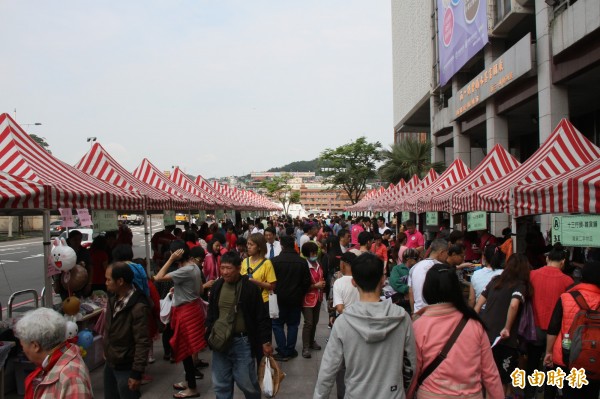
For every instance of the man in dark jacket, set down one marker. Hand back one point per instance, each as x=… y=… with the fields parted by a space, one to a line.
x=126 y=338
x=251 y=326
x=293 y=281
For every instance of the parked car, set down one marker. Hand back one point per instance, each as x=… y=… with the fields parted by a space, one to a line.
x=56 y=229
x=135 y=220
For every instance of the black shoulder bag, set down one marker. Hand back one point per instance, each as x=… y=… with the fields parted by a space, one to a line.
x=444 y=353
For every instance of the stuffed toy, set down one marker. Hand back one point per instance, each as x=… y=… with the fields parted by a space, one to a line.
x=63 y=256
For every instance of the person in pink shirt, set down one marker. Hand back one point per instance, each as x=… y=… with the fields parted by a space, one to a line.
x=357 y=228
x=414 y=237
x=469 y=366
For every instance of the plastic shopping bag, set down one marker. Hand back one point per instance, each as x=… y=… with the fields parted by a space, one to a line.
x=267 y=387
x=270 y=376
x=273 y=306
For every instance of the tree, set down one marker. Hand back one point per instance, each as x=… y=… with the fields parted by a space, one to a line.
x=350 y=166
x=279 y=189
x=41 y=141
x=407 y=158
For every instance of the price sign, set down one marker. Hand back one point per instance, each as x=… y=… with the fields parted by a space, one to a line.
x=201 y=217
x=576 y=230
x=105 y=220
x=66 y=217
x=431 y=218
x=168 y=218
x=476 y=221
x=84 y=217
x=405 y=217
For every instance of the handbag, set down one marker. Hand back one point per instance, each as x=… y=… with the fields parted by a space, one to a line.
x=222 y=330
x=270 y=386
x=526 y=328
x=443 y=354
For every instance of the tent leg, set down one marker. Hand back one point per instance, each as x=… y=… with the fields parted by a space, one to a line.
x=513 y=227
x=47 y=300
x=147 y=242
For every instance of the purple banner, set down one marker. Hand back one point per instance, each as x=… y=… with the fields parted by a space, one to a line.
x=462 y=32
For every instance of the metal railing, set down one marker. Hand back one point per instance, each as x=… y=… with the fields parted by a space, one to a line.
x=9 y=308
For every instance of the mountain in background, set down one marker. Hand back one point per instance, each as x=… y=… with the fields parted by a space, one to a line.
x=299 y=166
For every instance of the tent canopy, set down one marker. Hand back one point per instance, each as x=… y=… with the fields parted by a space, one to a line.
x=404 y=202
x=151 y=175
x=497 y=163
x=22 y=157
x=576 y=191
x=17 y=193
x=565 y=150
x=98 y=163
x=455 y=173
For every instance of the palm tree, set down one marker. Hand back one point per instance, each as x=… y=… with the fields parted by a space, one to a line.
x=407 y=158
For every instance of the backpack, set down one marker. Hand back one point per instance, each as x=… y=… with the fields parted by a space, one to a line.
x=585 y=339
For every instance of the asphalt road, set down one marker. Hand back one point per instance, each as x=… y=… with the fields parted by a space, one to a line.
x=22 y=264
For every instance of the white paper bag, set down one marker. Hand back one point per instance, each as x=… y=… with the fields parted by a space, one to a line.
x=273 y=306
x=268 y=379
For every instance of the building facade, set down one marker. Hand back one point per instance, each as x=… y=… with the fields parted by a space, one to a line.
x=530 y=64
x=323 y=199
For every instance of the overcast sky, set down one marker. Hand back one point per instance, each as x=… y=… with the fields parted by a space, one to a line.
x=217 y=87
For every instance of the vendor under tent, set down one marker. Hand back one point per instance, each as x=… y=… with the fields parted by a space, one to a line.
x=496 y=164
x=64 y=185
x=565 y=150
x=403 y=202
x=575 y=191
x=455 y=173
x=99 y=163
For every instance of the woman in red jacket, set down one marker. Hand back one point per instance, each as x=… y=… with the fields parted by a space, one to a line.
x=560 y=324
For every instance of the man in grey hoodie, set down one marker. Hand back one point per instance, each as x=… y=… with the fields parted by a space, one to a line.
x=373 y=339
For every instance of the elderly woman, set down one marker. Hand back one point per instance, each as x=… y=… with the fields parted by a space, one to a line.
x=60 y=371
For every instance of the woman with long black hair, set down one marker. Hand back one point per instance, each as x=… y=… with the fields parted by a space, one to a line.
x=330 y=262
x=469 y=366
x=504 y=298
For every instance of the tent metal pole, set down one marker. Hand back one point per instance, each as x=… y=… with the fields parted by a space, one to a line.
x=513 y=227
x=47 y=300
x=147 y=242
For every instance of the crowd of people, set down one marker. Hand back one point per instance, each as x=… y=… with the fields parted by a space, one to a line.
x=412 y=314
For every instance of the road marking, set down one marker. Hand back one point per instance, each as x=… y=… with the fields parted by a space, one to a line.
x=34 y=256
x=8 y=261
x=11 y=249
x=12 y=253
x=20 y=243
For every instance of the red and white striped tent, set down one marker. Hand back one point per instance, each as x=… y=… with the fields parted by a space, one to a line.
x=366 y=204
x=404 y=203
x=100 y=164
x=565 y=150
x=206 y=186
x=224 y=193
x=22 y=157
x=399 y=192
x=497 y=163
x=186 y=183
x=576 y=191
x=17 y=193
x=378 y=204
x=151 y=175
x=455 y=173
x=361 y=205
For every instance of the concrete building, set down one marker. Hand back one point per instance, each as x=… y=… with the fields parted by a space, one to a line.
x=324 y=199
x=539 y=61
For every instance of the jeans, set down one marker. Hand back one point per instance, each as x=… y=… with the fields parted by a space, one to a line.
x=311 y=319
x=116 y=384
x=237 y=364
x=290 y=316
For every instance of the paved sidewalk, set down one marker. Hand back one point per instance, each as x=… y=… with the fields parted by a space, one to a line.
x=301 y=374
